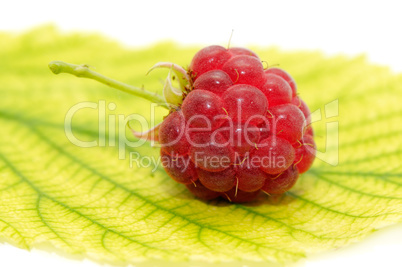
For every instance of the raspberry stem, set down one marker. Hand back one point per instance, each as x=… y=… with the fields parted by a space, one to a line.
x=83 y=71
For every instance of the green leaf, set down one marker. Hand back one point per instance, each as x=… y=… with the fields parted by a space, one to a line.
x=88 y=201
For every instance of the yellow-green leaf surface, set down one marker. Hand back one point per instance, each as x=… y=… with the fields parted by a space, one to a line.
x=88 y=201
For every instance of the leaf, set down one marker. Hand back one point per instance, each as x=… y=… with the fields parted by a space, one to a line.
x=85 y=200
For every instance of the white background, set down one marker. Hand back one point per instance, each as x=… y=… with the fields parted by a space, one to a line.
x=352 y=28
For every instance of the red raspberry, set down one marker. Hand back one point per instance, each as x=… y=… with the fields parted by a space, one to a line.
x=244 y=127
x=234 y=129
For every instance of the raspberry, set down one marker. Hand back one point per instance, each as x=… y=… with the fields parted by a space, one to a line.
x=234 y=130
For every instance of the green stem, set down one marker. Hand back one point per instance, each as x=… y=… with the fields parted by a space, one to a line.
x=83 y=71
